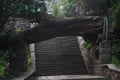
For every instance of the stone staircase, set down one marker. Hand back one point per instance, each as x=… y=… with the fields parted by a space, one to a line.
x=59 y=56
x=62 y=58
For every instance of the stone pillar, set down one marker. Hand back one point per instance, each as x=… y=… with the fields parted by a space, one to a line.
x=18 y=58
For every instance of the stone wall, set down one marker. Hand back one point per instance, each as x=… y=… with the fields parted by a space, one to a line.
x=97 y=55
x=18 y=58
x=86 y=55
x=111 y=71
x=105 y=51
x=100 y=61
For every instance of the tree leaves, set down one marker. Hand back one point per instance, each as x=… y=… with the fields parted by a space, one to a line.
x=13 y=8
x=114 y=15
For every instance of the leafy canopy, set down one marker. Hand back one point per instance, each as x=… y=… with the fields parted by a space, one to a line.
x=16 y=7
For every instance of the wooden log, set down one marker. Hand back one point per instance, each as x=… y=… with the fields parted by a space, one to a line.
x=50 y=27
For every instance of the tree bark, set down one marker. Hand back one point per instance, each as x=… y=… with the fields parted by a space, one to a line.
x=50 y=27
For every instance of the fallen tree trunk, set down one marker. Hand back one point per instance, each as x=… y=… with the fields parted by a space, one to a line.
x=50 y=27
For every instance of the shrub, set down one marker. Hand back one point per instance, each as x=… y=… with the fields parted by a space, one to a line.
x=114 y=15
x=4 y=57
x=88 y=45
x=115 y=61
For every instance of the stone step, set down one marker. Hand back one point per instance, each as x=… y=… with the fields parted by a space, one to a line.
x=59 y=56
x=69 y=77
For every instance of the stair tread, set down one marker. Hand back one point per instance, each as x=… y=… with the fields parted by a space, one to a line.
x=69 y=77
x=59 y=56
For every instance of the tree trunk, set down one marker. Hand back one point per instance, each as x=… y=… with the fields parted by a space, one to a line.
x=50 y=27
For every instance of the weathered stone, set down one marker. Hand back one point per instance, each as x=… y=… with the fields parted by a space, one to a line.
x=111 y=71
x=105 y=52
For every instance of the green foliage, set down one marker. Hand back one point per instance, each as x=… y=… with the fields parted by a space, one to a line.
x=9 y=7
x=4 y=58
x=100 y=7
x=116 y=52
x=116 y=48
x=88 y=45
x=63 y=8
x=15 y=34
x=14 y=8
x=29 y=59
x=4 y=61
x=115 y=60
x=114 y=15
x=2 y=71
x=69 y=10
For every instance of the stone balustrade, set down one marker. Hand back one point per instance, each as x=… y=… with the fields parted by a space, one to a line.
x=111 y=71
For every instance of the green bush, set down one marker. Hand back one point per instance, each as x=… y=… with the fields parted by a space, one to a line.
x=63 y=8
x=29 y=60
x=116 y=48
x=114 y=15
x=115 y=52
x=15 y=32
x=115 y=61
x=88 y=45
x=4 y=57
x=2 y=71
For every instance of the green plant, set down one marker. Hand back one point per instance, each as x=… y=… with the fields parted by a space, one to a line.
x=4 y=58
x=2 y=71
x=15 y=34
x=62 y=8
x=115 y=61
x=88 y=45
x=116 y=48
x=29 y=59
x=115 y=52
x=114 y=15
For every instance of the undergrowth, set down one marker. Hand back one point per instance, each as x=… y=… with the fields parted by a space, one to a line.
x=116 y=52
x=88 y=45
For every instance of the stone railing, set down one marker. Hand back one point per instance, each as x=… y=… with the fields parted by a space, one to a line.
x=111 y=71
